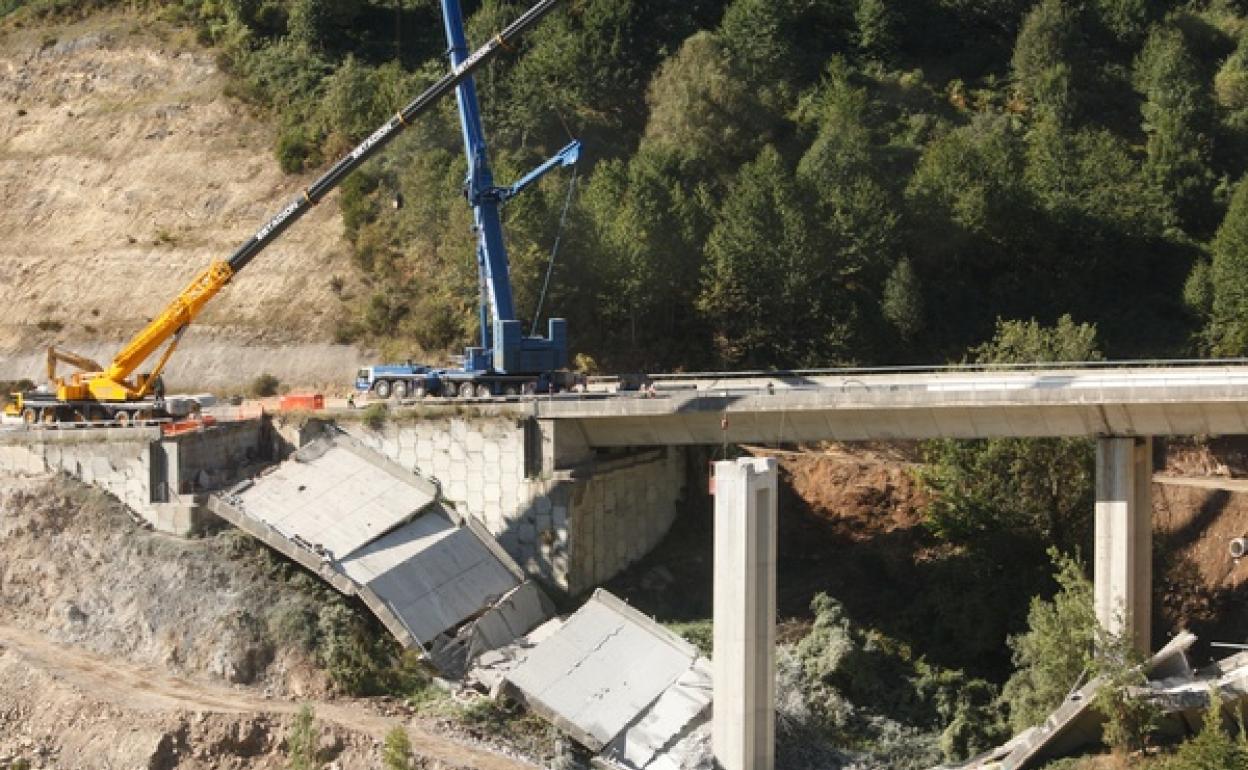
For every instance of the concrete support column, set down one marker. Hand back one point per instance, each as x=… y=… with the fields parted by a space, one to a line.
x=1123 y=566
x=744 y=714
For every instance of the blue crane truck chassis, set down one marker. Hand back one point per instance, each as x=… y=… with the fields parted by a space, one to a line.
x=412 y=380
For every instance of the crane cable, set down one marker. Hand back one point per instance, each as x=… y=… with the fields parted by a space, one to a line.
x=550 y=266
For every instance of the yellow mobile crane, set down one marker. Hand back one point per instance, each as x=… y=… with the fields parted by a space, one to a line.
x=117 y=392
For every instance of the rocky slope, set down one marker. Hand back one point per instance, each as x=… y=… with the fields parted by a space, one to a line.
x=125 y=170
x=123 y=648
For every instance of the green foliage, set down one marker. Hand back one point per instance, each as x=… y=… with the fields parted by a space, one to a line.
x=840 y=664
x=396 y=752
x=358 y=660
x=1177 y=118
x=902 y=303
x=699 y=633
x=316 y=23
x=1040 y=486
x=1212 y=747
x=1030 y=342
x=1128 y=717
x=1044 y=56
x=264 y=385
x=302 y=741
x=374 y=416
x=296 y=149
x=1057 y=650
x=1228 y=325
x=877 y=22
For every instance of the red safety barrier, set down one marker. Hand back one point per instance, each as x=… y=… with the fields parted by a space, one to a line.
x=179 y=427
x=301 y=402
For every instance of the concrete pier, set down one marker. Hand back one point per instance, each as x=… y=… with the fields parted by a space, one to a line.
x=1124 y=538
x=743 y=726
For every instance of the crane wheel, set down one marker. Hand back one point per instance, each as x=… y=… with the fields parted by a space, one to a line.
x=467 y=390
x=97 y=414
x=400 y=389
x=79 y=417
x=382 y=388
x=48 y=416
x=511 y=390
x=418 y=390
x=30 y=416
x=143 y=415
x=122 y=419
x=483 y=391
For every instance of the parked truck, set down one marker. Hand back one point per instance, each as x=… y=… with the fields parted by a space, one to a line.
x=506 y=362
x=120 y=393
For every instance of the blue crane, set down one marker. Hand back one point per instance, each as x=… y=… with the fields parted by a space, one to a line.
x=504 y=352
x=506 y=362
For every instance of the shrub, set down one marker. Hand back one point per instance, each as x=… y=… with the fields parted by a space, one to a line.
x=1128 y=719
x=265 y=385
x=1213 y=747
x=49 y=325
x=1056 y=650
x=296 y=150
x=699 y=633
x=396 y=753
x=301 y=744
x=374 y=416
x=357 y=659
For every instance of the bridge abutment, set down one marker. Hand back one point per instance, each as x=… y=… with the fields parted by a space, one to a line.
x=1123 y=566
x=569 y=514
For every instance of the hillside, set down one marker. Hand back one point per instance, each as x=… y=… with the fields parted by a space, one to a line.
x=124 y=170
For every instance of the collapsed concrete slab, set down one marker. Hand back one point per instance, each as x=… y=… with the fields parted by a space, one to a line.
x=616 y=682
x=1180 y=691
x=375 y=530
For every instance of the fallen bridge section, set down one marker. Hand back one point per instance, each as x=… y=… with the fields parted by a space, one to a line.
x=617 y=682
x=375 y=530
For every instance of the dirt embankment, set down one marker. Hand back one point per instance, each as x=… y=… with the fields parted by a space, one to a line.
x=78 y=570
x=124 y=171
x=123 y=648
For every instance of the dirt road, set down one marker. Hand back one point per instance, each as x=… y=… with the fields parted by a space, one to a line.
x=137 y=688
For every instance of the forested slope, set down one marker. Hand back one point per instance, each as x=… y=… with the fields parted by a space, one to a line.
x=783 y=183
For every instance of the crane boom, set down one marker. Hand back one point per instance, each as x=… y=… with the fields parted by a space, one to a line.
x=113 y=384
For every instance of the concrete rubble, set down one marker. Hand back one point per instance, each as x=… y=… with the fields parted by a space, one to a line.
x=1181 y=691
x=375 y=530
x=613 y=680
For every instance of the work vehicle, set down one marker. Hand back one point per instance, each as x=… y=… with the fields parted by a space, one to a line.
x=506 y=362
x=120 y=393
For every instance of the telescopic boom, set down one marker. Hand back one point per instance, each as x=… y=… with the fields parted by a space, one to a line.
x=113 y=384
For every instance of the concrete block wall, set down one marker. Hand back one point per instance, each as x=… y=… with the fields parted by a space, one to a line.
x=572 y=527
x=153 y=476
x=115 y=460
x=204 y=459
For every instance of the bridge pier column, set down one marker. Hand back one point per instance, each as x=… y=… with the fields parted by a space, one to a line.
x=1123 y=566
x=744 y=660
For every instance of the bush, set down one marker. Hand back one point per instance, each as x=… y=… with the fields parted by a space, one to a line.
x=301 y=744
x=1056 y=650
x=296 y=150
x=374 y=416
x=265 y=385
x=1212 y=747
x=699 y=633
x=1128 y=719
x=396 y=753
